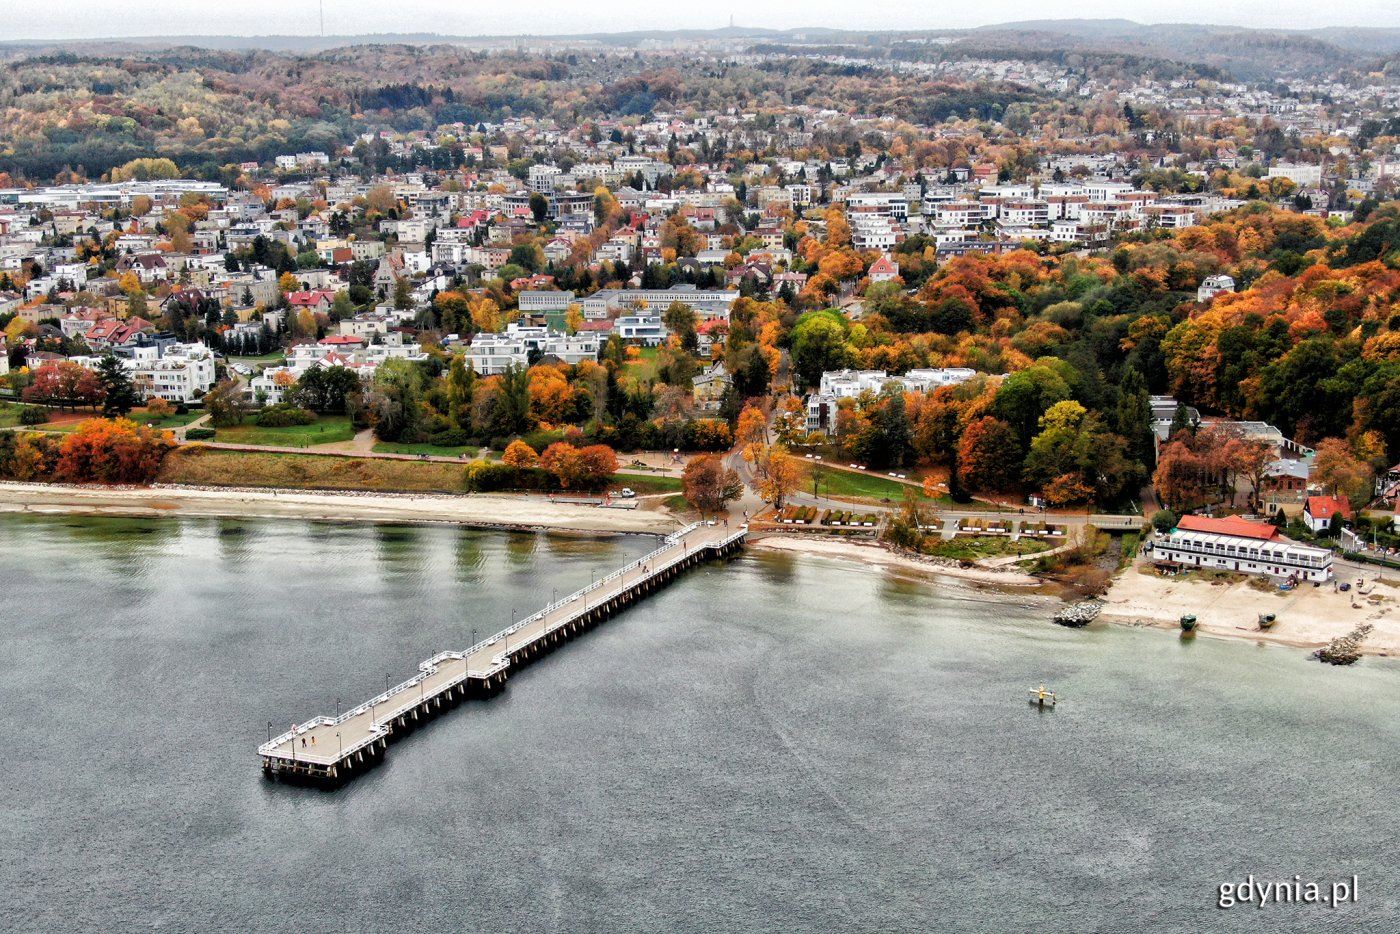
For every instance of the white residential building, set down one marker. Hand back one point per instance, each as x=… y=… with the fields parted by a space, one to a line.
x=491 y=354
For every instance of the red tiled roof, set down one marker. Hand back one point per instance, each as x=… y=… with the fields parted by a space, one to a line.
x=1324 y=507
x=1230 y=525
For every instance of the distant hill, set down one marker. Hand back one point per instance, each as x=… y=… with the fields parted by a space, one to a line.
x=1244 y=53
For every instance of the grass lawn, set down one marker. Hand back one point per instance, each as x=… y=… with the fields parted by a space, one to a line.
x=644 y=366
x=972 y=547
x=865 y=486
x=325 y=430
x=394 y=447
x=212 y=467
x=9 y=414
x=647 y=483
x=170 y=421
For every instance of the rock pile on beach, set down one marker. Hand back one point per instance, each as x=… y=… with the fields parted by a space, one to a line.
x=1080 y=614
x=1344 y=650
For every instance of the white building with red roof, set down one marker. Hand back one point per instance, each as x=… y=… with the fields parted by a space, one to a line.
x=883 y=269
x=1235 y=544
x=1319 y=510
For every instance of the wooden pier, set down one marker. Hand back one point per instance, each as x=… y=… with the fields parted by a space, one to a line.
x=332 y=750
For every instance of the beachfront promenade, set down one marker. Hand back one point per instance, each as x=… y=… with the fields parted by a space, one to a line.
x=331 y=750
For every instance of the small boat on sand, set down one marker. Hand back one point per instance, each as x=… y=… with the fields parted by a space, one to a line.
x=1266 y=620
x=1188 y=622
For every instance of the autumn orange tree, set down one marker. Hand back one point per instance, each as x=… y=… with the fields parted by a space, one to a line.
x=112 y=451
x=588 y=468
x=520 y=455
x=64 y=385
x=776 y=472
x=989 y=455
x=1340 y=472
x=708 y=484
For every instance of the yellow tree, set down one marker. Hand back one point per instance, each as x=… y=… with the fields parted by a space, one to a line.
x=288 y=283
x=753 y=425
x=486 y=315
x=573 y=318
x=776 y=472
x=520 y=455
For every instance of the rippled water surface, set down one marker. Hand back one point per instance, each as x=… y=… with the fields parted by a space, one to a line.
x=773 y=744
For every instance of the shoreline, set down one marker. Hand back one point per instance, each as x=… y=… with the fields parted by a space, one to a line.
x=1307 y=617
x=873 y=553
x=478 y=510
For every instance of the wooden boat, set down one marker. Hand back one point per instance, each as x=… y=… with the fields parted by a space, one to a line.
x=1041 y=697
x=1266 y=620
x=1188 y=622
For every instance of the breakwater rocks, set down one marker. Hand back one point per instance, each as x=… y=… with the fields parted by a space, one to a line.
x=1344 y=650
x=1079 y=614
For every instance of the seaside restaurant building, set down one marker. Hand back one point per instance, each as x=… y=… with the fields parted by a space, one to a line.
x=1235 y=544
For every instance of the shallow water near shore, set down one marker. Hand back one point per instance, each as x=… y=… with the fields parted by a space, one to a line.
x=779 y=743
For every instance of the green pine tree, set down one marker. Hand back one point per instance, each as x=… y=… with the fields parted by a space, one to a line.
x=120 y=393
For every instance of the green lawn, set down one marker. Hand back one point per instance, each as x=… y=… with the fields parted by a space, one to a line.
x=647 y=483
x=864 y=486
x=170 y=421
x=644 y=367
x=325 y=430
x=9 y=414
x=394 y=447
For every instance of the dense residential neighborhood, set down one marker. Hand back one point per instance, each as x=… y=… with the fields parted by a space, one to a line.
x=1151 y=291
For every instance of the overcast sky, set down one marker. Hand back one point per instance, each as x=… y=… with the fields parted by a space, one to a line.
x=69 y=19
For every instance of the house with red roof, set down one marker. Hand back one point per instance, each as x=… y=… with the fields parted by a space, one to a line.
x=342 y=342
x=1319 y=511
x=313 y=301
x=883 y=269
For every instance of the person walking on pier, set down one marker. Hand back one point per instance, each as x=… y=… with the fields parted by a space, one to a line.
x=303 y=742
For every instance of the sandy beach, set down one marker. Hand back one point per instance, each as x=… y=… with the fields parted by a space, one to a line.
x=873 y=554
x=480 y=510
x=1308 y=617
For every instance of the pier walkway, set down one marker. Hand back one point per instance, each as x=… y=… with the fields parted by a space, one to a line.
x=331 y=750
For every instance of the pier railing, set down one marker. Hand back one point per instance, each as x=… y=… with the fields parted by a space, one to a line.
x=499 y=661
x=581 y=594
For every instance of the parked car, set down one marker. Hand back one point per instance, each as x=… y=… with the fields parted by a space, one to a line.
x=627 y=492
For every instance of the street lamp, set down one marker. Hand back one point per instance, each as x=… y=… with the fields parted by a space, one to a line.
x=339 y=745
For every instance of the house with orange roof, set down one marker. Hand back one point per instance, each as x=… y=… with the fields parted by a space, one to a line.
x=883 y=269
x=1319 y=511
